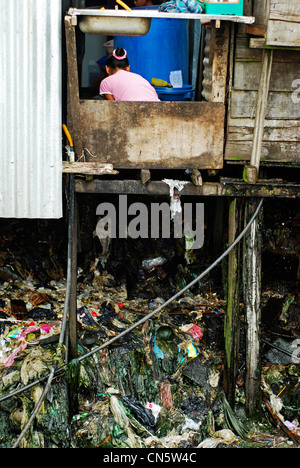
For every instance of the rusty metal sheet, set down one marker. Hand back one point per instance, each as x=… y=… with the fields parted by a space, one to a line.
x=164 y=135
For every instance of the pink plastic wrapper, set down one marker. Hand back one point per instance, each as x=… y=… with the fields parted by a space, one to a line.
x=196 y=332
x=45 y=328
x=11 y=359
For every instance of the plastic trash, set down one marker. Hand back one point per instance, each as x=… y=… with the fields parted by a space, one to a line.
x=157 y=351
x=192 y=351
x=171 y=441
x=181 y=6
x=86 y=318
x=107 y=313
x=142 y=414
x=154 y=408
x=154 y=262
x=42 y=313
x=11 y=359
x=290 y=425
x=225 y=436
x=214 y=379
x=175 y=204
x=14 y=334
x=196 y=332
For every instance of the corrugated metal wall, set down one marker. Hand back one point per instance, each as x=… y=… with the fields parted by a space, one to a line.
x=30 y=109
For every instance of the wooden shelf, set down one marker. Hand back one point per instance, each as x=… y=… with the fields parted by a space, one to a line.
x=156 y=14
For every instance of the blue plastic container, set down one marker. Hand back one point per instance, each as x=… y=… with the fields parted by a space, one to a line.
x=186 y=93
x=164 y=49
x=225 y=7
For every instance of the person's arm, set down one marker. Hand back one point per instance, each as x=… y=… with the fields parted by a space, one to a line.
x=105 y=90
x=109 y=97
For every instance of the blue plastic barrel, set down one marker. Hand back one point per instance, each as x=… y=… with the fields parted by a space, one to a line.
x=164 y=49
x=186 y=93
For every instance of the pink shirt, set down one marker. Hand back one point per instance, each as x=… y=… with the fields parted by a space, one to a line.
x=127 y=86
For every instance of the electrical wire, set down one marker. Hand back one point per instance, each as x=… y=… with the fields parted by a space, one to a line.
x=278 y=348
x=54 y=370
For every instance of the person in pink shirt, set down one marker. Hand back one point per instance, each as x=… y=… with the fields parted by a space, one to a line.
x=123 y=85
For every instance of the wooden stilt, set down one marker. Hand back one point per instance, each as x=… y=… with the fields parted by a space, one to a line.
x=252 y=291
x=196 y=177
x=145 y=176
x=73 y=87
x=232 y=318
x=73 y=293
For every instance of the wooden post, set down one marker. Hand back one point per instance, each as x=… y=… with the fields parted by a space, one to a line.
x=73 y=113
x=261 y=109
x=252 y=290
x=196 y=177
x=73 y=116
x=232 y=317
x=73 y=293
x=220 y=62
x=145 y=176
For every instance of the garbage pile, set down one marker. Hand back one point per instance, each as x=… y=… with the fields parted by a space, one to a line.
x=159 y=386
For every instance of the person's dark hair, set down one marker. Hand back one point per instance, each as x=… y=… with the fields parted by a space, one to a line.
x=118 y=59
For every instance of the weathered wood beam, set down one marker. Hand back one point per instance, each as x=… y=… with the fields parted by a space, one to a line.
x=252 y=293
x=157 y=14
x=220 y=63
x=88 y=168
x=228 y=188
x=145 y=176
x=73 y=86
x=261 y=109
x=196 y=177
x=260 y=43
x=232 y=317
x=73 y=325
x=255 y=29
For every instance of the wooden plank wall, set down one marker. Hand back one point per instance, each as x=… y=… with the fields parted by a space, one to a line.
x=151 y=135
x=281 y=19
x=284 y=23
x=282 y=125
